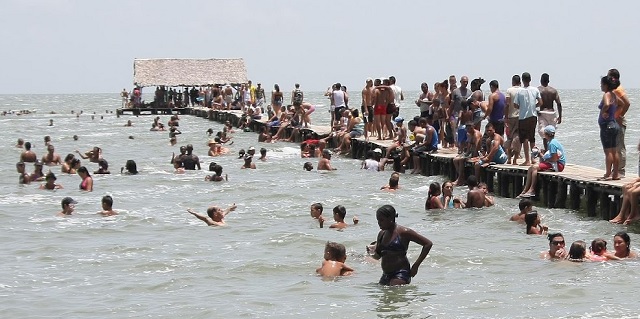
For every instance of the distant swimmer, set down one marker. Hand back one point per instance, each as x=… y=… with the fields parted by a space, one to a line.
x=68 y=205
x=51 y=158
x=50 y=183
x=24 y=176
x=103 y=167
x=37 y=174
x=190 y=161
x=215 y=215
x=131 y=168
x=339 y=214
x=28 y=156
x=333 y=264
x=94 y=155
x=394 y=183
x=129 y=123
x=308 y=166
x=248 y=158
x=51 y=122
x=20 y=143
x=107 y=207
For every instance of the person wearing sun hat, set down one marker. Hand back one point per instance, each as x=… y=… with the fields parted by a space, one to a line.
x=552 y=159
x=68 y=205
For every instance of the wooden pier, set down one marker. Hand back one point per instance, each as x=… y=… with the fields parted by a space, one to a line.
x=151 y=111
x=575 y=188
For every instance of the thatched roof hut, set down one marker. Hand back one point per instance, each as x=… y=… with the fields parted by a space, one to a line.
x=188 y=72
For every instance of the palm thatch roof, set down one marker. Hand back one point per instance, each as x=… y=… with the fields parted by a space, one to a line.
x=188 y=72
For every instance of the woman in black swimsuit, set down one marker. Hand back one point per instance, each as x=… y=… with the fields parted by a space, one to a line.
x=391 y=248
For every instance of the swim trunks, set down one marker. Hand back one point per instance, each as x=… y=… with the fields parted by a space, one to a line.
x=380 y=110
x=402 y=274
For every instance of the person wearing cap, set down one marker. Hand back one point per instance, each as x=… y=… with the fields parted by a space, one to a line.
x=107 y=206
x=24 y=176
x=50 y=183
x=28 y=156
x=68 y=205
x=325 y=162
x=248 y=162
x=553 y=160
x=214 y=147
x=400 y=131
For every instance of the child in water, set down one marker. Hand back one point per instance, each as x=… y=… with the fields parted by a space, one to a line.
x=333 y=264
x=525 y=207
x=433 y=197
x=316 y=213
x=339 y=213
x=215 y=215
x=532 y=219
x=599 y=251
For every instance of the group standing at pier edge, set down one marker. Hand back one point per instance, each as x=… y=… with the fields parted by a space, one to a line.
x=450 y=117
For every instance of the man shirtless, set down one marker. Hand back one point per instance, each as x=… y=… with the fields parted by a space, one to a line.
x=28 y=156
x=475 y=196
x=325 y=162
x=107 y=207
x=381 y=101
x=51 y=158
x=228 y=96
x=459 y=98
x=470 y=149
x=367 y=108
x=547 y=114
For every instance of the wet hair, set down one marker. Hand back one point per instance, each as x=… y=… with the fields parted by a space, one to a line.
x=394 y=180
x=624 y=237
x=494 y=84
x=27 y=146
x=614 y=73
x=335 y=251
x=131 y=167
x=477 y=83
x=524 y=203
x=530 y=218
x=50 y=175
x=241 y=153
x=598 y=245
x=578 y=251
x=434 y=189
x=317 y=206
x=69 y=157
x=83 y=169
x=387 y=211
x=341 y=211
x=472 y=181
x=276 y=87
x=212 y=165
x=263 y=151
x=74 y=162
x=551 y=236
x=107 y=200
x=611 y=82
x=103 y=164
x=307 y=166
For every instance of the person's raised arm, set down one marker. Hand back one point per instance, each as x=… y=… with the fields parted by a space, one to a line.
x=229 y=209
x=422 y=241
x=84 y=155
x=200 y=217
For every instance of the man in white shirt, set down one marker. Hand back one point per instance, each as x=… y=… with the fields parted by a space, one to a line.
x=527 y=99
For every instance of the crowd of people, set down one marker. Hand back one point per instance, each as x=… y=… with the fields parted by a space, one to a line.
x=450 y=117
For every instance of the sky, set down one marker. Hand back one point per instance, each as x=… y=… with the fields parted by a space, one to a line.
x=80 y=46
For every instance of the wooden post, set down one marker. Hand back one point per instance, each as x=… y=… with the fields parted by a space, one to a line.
x=592 y=200
x=574 y=193
x=552 y=193
x=561 y=199
x=605 y=204
x=489 y=178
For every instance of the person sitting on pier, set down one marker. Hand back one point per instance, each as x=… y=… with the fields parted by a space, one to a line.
x=629 y=209
x=495 y=153
x=470 y=148
x=553 y=159
x=355 y=129
x=426 y=138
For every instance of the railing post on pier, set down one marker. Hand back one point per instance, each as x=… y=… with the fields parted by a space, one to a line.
x=605 y=205
x=552 y=189
x=561 y=200
x=574 y=193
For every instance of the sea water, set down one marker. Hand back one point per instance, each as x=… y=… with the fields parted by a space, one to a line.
x=156 y=260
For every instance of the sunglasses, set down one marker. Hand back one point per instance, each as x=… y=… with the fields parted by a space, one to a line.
x=557 y=242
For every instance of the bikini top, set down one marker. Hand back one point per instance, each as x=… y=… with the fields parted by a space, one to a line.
x=394 y=245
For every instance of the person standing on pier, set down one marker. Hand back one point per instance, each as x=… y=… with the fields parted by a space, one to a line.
x=609 y=127
x=511 y=119
x=623 y=107
x=367 y=108
x=547 y=114
x=527 y=99
x=553 y=159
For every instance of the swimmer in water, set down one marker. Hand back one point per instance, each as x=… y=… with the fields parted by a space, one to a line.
x=308 y=166
x=94 y=155
x=339 y=213
x=50 y=183
x=215 y=215
x=333 y=264
x=68 y=205
x=107 y=206
x=394 y=181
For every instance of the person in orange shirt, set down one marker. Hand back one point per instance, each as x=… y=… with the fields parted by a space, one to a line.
x=623 y=106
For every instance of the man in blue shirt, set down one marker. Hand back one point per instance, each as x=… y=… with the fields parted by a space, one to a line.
x=553 y=159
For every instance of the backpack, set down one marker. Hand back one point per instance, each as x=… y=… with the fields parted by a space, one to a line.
x=297 y=96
